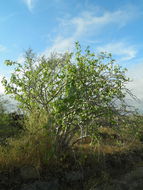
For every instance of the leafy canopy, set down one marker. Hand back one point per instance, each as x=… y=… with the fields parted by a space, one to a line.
x=78 y=91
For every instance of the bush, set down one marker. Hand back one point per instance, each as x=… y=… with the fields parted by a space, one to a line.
x=79 y=92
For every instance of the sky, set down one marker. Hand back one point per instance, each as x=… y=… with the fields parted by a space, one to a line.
x=55 y=25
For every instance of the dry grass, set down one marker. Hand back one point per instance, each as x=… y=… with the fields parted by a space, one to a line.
x=112 y=141
x=35 y=150
x=36 y=147
x=33 y=147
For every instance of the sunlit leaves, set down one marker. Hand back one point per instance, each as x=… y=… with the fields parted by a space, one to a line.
x=75 y=89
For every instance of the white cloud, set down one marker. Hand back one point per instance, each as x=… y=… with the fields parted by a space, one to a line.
x=1 y=86
x=90 y=23
x=20 y=59
x=60 y=45
x=30 y=4
x=2 y=48
x=122 y=49
x=136 y=74
x=136 y=85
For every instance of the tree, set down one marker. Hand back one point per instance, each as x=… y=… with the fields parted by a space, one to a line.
x=78 y=91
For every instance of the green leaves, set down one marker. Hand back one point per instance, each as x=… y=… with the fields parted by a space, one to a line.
x=9 y=63
x=75 y=89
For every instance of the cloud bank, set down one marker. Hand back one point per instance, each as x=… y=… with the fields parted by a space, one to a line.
x=30 y=4
x=2 y=48
x=121 y=49
x=90 y=23
x=1 y=86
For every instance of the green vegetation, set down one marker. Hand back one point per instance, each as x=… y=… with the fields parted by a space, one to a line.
x=75 y=115
x=78 y=92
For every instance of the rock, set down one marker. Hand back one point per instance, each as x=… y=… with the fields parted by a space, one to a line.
x=28 y=187
x=74 y=176
x=39 y=185
x=130 y=181
x=134 y=175
x=29 y=172
x=116 y=186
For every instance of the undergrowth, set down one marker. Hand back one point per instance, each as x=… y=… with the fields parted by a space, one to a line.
x=114 y=148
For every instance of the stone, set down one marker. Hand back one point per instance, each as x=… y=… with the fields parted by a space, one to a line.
x=74 y=176
x=131 y=181
x=134 y=175
x=39 y=185
x=28 y=187
x=29 y=172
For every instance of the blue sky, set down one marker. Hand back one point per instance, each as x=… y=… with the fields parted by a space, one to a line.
x=54 y=25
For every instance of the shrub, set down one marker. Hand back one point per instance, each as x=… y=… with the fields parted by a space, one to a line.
x=78 y=92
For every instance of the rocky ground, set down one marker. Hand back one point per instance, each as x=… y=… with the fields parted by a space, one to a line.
x=27 y=178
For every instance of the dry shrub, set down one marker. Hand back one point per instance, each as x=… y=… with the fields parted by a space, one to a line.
x=34 y=147
x=34 y=150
